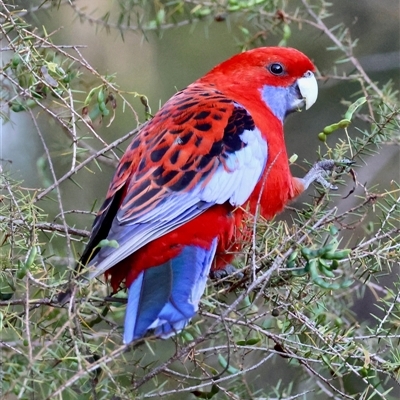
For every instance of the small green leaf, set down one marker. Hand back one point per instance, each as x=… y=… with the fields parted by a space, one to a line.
x=206 y=395
x=336 y=255
x=353 y=107
x=108 y=243
x=248 y=342
x=224 y=364
x=31 y=257
x=6 y=296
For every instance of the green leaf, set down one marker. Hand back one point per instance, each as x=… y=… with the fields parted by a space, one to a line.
x=224 y=364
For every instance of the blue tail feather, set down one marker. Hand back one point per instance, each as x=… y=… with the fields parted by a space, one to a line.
x=146 y=299
x=166 y=297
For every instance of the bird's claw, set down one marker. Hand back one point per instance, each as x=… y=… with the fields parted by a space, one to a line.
x=228 y=270
x=320 y=170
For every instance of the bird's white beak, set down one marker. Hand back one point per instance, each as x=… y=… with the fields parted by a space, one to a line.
x=308 y=88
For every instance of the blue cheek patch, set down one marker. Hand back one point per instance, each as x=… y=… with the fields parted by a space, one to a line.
x=281 y=100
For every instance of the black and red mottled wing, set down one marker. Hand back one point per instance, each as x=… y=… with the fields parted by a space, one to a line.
x=200 y=149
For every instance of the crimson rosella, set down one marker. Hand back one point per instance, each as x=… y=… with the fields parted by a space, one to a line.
x=175 y=204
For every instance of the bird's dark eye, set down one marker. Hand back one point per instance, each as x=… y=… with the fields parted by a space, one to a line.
x=276 y=69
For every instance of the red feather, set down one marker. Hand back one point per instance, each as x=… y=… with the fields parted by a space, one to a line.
x=218 y=221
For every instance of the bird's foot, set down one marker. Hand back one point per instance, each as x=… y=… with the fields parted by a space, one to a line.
x=321 y=169
x=228 y=270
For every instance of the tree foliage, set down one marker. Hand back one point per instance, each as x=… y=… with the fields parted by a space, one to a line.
x=292 y=309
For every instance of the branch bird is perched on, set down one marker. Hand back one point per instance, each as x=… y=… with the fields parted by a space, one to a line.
x=173 y=203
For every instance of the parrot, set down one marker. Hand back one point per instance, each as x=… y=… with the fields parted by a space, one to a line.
x=212 y=154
